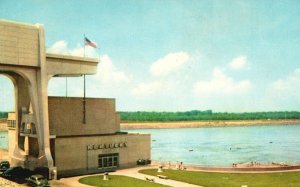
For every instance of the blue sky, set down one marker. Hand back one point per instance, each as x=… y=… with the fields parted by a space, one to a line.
x=177 y=55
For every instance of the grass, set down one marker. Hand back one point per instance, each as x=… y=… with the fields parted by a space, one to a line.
x=117 y=181
x=214 y=179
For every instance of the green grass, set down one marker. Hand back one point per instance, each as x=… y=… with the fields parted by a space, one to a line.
x=213 y=179
x=117 y=181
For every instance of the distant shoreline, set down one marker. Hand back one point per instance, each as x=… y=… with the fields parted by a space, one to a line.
x=212 y=123
x=195 y=124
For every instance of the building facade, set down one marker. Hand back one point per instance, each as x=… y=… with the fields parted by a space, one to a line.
x=96 y=146
x=63 y=134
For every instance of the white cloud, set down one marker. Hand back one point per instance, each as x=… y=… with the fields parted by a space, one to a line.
x=238 y=63
x=61 y=47
x=284 y=94
x=150 y=88
x=290 y=85
x=108 y=73
x=161 y=82
x=107 y=80
x=106 y=70
x=171 y=63
x=222 y=84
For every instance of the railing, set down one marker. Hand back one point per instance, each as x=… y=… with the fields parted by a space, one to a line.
x=33 y=132
x=25 y=131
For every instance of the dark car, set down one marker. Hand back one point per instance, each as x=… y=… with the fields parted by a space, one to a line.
x=41 y=171
x=143 y=162
x=17 y=174
x=37 y=181
x=4 y=165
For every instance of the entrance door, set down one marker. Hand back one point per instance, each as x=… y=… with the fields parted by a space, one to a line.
x=108 y=161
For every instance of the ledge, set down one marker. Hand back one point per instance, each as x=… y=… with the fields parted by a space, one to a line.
x=74 y=58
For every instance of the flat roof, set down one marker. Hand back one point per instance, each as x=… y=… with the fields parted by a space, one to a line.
x=70 y=57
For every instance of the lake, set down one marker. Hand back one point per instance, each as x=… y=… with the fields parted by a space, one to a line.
x=3 y=140
x=222 y=146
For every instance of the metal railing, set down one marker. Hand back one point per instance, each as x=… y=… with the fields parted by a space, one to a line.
x=32 y=131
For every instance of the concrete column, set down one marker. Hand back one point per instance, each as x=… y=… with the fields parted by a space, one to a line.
x=22 y=99
x=43 y=95
x=26 y=146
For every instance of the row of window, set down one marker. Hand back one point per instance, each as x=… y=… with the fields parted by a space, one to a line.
x=11 y=123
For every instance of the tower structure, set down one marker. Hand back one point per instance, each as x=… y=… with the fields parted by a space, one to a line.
x=24 y=60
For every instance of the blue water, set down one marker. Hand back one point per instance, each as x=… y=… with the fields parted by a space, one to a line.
x=222 y=146
x=3 y=140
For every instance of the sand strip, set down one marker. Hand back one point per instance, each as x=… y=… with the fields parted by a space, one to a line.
x=196 y=124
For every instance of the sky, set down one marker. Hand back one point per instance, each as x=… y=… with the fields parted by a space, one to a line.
x=173 y=55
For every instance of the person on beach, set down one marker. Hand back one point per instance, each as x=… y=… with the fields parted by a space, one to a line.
x=177 y=165
x=169 y=165
x=181 y=166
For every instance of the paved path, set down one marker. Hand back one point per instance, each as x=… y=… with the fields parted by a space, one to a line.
x=132 y=172
x=68 y=182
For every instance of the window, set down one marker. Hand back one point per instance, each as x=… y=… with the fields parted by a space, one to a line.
x=11 y=124
x=108 y=160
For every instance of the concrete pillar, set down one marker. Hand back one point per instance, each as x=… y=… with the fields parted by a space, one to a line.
x=43 y=95
x=26 y=146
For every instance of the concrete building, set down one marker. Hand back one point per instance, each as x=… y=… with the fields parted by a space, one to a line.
x=68 y=135
x=98 y=145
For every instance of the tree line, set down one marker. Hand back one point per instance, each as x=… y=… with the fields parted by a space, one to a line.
x=194 y=115
x=3 y=115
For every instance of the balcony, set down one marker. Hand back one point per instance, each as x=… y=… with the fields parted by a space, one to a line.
x=31 y=132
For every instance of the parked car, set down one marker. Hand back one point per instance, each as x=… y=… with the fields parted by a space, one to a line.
x=17 y=174
x=143 y=162
x=41 y=171
x=4 y=165
x=37 y=181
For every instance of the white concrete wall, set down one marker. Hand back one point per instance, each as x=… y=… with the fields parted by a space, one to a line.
x=72 y=156
x=18 y=43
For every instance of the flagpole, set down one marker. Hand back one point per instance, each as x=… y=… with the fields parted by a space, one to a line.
x=84 y=45
x=85 y=42
x=66 y=86
x=84 y=101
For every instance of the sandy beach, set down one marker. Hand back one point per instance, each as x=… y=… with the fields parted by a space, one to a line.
x=195 y=124
x=3 y=126
x=241 y=167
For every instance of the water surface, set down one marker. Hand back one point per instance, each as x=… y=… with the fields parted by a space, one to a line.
x=3 y=140
x=222 y=146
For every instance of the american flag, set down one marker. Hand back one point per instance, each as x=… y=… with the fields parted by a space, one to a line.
x=89 y=42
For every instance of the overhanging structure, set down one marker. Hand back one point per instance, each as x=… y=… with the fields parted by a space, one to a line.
x=49 y=131
x=24 y=60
